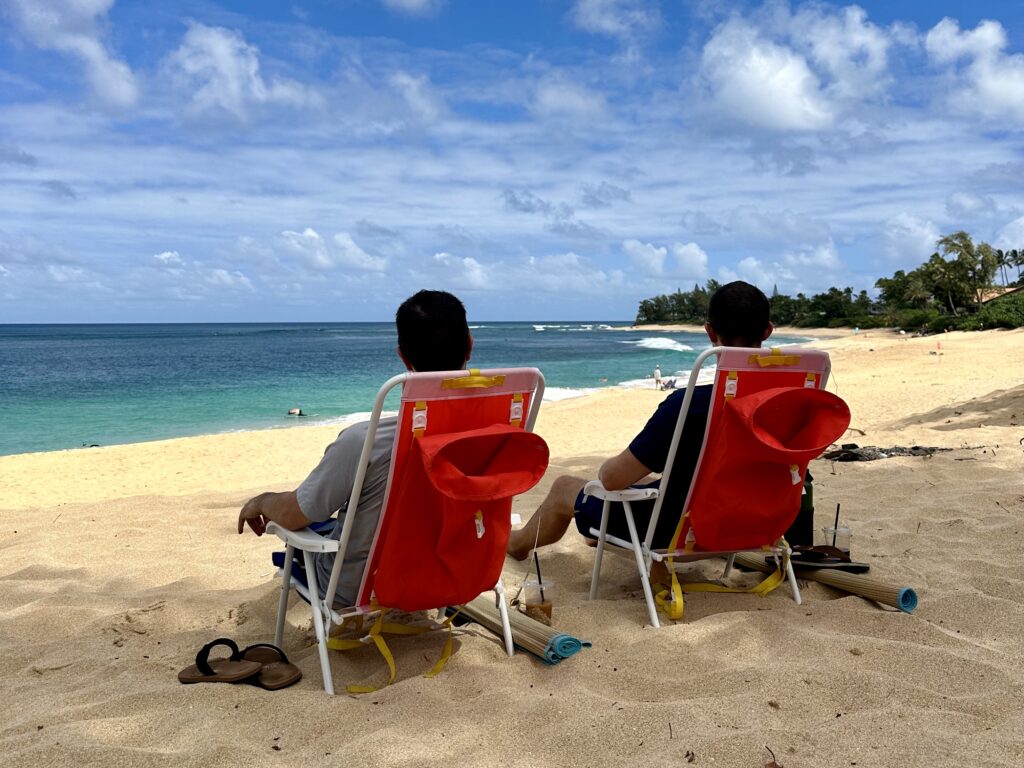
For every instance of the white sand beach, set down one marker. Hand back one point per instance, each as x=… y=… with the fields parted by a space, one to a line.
x=120 y=562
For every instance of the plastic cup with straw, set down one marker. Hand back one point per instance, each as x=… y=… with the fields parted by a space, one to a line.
x=537 y=604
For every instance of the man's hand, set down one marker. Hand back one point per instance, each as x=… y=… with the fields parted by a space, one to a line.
x=252 y=513
x=270 y=507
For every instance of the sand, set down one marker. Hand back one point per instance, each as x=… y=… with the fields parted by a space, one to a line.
x=120 y=562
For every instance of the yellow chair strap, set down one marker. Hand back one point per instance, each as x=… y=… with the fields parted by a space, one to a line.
x=377 y=632
x=775 y=358
x=447 y=652
x=473 y=381
x=770 y=582
x=671 y=600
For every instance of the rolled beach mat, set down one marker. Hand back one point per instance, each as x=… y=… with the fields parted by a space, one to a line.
x=549 y=645
x=562 y=647
x=903 y=598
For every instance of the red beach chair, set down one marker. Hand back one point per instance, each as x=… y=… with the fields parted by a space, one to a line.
x=769 y=417
x=464 y=446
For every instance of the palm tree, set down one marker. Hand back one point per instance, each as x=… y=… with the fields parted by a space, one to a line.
x=975 y=265
x=1003 y=261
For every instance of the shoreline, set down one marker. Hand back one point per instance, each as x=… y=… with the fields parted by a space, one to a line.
x=829 y=338
x=345 y=420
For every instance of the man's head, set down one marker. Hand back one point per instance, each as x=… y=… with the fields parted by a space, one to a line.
x=738 y=316
x=432 y=332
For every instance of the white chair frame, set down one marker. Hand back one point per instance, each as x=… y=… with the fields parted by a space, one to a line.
x=325 y=615
x=644 y=555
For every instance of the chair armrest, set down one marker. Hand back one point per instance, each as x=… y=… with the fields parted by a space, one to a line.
x=594 y=488
x=306 y=539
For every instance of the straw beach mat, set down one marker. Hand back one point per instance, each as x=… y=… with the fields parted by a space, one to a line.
x=546 y=643
x=903 y=598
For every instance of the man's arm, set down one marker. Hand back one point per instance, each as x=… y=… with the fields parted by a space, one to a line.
x=280 y=508
x=622 y=471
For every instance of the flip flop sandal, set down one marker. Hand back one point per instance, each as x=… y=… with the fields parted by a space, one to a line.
x=230 y=670
x=276 y=671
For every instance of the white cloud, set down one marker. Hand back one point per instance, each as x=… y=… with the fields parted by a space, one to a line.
x=852 y=51
x=567 y=273
x=807 y=270
x=73 y=27
x=418 y=94
x=624 y=20
x=351 y=255
x=309 y=246
x=909 y=239
x=319 y=254
x=819 y=258
x=558 y=96
x=756 y=82
x=754 y=271
x=961 y=205
x=169 y=259
x=1011 y=236
x=466 y=272
x=992 y=82
x=691 y=259
x=220 y=72
x=222 y=278
x=62 y=273
x=413 y=7
x=648 y=258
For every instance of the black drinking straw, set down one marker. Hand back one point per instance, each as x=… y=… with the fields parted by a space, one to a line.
x=540 y=581
x=835 y=527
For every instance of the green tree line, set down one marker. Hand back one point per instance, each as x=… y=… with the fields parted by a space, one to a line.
x=946 y=292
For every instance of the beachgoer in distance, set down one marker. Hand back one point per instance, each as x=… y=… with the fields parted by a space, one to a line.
x=432 y=336
x=738 y=316
x=657 y=377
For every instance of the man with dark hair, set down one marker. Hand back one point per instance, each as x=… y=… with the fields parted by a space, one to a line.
x=432 y=336
x=432 y=332
x=738 y=316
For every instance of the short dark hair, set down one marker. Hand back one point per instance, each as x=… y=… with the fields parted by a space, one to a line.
x=739 y=314
x=432 y=331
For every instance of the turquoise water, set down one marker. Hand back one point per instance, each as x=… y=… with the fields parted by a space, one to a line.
x=65 y=386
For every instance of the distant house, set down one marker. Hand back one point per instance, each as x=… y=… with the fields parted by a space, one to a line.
x=988 y=294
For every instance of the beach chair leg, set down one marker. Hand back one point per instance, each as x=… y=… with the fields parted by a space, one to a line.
x=638 y=552
x=602 y=532
x=729 y=561
x=286 y=587
x=506 y=626
x=318 y=621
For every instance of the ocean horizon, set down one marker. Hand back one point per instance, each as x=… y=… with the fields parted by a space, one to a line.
x=73 y=386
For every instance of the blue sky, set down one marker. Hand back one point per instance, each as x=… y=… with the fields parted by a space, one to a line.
x=322 y=159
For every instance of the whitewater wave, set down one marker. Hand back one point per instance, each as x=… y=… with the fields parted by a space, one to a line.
x=554 y=394
x=660 y=343
x=706 y=376
x=347 y=419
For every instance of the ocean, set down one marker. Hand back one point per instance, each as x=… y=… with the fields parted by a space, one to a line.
x=73 y=386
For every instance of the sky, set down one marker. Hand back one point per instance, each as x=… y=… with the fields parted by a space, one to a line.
x=320 y=160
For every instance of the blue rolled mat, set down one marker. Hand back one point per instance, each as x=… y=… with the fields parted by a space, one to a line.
x=562 y=647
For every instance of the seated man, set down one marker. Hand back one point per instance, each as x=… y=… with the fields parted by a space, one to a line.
x=432 y=336
x=737 y=317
